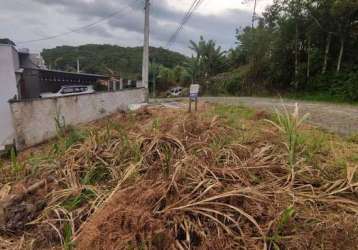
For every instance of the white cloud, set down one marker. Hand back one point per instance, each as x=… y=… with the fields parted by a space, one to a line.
x=23 y=20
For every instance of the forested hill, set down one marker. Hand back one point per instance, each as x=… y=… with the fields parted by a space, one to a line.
x=101 y=59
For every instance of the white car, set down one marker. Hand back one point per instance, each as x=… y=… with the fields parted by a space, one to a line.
x=70 y=90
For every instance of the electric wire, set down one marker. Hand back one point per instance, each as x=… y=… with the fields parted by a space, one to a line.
x=79 y=28
x=194 y=6
x=181 y=25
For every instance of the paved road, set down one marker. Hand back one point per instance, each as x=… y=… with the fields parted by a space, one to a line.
x=338 y=118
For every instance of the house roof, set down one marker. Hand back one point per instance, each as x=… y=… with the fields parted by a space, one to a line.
x=73 y=73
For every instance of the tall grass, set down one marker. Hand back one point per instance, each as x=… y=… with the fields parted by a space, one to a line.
x=66 y=135
x=289 y=125
x=15 y=165
x=68 y=237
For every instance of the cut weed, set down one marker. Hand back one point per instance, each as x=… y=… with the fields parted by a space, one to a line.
x=218 y=179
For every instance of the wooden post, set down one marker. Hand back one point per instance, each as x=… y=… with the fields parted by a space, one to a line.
x=120 y=83
x=195 y=105
x=189 y=104
x=193 y=96
x=114 y=83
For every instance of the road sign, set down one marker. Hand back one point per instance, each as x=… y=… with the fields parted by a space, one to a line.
x=193 y=95
x=194 y=89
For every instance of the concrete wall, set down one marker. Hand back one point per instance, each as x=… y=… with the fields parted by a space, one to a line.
x=34 y=120
x=9 y=63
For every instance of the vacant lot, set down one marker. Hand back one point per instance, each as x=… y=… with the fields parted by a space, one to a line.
x=227 y=177
x=337 y=118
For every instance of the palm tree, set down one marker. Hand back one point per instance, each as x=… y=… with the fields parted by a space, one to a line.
x=192 y=66
x=199 y=47
x=209 y=57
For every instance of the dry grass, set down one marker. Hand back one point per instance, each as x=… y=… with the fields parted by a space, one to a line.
x=164 y=179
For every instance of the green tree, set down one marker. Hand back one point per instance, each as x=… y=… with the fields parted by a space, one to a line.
x=125 y=61
x=305 y=45
x=166 y=78
x=192 y=67
x=209 y=56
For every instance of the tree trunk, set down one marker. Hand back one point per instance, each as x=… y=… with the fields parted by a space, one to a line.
x=296 y=57
x=309 y=58
x=340 y=57
x=328 y=46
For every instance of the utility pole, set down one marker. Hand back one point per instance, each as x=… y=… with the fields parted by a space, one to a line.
x=78 y=59
x=145 y=70
x=254 y=14
x=78 y=65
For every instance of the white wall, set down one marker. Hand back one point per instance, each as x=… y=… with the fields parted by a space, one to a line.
x=34 y=120
x=9 y=62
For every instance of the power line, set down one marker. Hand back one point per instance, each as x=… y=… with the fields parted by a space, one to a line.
x=182 y=23
x=194 y=6
x=79 y=28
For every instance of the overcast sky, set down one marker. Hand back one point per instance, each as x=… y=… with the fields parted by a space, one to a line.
x=24 y=20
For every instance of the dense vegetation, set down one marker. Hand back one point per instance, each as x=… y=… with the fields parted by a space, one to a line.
x=108 y=59
x=300 y=46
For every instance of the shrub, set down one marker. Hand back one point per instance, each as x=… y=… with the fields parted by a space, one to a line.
x=234 y=85
x=341 y=86
x=229 y=83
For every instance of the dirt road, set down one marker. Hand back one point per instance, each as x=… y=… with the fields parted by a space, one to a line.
x=338 y=118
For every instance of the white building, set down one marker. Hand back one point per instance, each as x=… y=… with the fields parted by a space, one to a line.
x=9 y=65
x=23 y=77
x=12 y=62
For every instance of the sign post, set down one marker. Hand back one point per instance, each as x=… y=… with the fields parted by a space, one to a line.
x=193 y=96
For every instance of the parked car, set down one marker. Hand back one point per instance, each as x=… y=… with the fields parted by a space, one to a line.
x=177 y=91
x=70 y=90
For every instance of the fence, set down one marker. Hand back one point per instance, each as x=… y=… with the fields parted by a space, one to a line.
x=35 y=119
